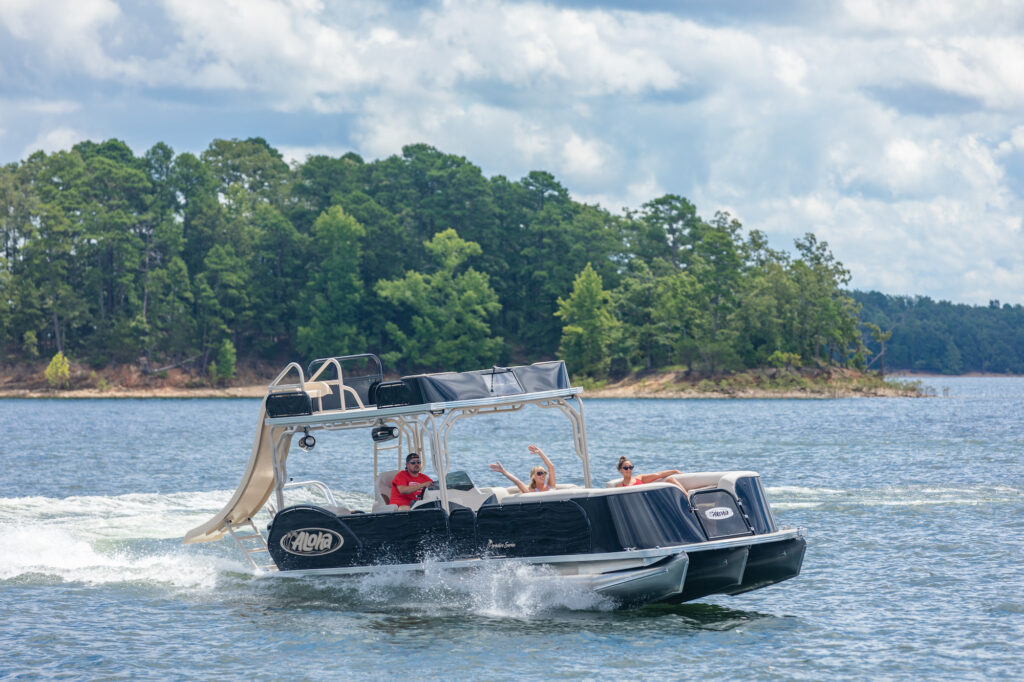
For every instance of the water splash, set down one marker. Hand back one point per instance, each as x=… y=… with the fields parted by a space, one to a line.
x=508 y=589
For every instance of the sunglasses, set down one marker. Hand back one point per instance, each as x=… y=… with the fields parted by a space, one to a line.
x=541 y=473
x=413 y=461
x=629 y=468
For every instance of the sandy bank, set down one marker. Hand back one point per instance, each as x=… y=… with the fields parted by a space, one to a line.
x=257 y=391
x=665 y=386
x=750 y=385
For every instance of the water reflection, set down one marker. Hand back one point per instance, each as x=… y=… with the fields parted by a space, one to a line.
x=698 y=616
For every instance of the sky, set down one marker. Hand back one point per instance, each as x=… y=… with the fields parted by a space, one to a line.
x=893 y=130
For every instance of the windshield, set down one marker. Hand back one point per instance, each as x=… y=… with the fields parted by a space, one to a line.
x=456 y=480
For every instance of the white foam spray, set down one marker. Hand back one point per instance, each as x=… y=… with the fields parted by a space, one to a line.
x=506 y=589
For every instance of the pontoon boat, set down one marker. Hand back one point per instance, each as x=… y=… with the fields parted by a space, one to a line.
x=639 y=544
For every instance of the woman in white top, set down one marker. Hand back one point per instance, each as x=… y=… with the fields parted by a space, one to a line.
x=541 y=480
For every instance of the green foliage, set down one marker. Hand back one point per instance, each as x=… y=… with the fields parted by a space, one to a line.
x=165 y=258
x=588 y=325
x=782 y=359
x=101 y=383
x=589 y=383
x=446 y=314
x=29 y=344
x=330 y=305
x=942 y=337
x=58 y=372
x=224 y=368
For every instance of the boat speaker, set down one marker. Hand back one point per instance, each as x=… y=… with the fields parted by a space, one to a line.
x=383 y=433
x=391 y=394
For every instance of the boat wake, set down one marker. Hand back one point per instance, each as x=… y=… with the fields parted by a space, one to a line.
x=99 y=540
x=136 y=539
x=831 y=499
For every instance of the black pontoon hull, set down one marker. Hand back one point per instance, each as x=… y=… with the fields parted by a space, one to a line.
x=770 y=563
x=712 y=572
x=558 y=535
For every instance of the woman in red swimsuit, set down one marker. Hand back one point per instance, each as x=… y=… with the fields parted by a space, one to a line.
x=629 y=478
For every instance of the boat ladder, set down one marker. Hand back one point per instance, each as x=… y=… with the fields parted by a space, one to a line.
x=251 y=541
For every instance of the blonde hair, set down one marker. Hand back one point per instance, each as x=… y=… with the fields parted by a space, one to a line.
x=622 y=460
x=533 y=481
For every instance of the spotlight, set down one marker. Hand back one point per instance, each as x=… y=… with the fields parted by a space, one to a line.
x=307 y=442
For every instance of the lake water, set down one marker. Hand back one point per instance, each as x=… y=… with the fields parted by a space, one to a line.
x=914 y=510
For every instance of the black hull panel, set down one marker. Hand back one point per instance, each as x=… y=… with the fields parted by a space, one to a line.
x=306 y=537
x=770 y=563
x=607 y=534
x=712 y=572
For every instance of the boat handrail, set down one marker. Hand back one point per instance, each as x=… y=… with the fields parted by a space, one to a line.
x=315 y=387
x=275 y=386
x=339 y=381
x=319 y=486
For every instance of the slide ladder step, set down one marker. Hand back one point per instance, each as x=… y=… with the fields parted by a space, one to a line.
x=251 y=535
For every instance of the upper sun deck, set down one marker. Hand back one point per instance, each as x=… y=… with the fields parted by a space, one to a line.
x=352 y=389
x=350 y=392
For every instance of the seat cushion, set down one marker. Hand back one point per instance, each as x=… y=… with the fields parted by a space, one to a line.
x=383 y=486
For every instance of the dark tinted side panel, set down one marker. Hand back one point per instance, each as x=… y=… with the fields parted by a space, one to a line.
x=755 y=503
x=533 y=529
x=401 y=537
x=656 y=517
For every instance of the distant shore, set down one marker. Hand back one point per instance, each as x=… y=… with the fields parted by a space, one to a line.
x=254 y=391
x=667 y=385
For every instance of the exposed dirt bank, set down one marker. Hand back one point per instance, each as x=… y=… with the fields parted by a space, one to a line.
x=257 y=391
x=759 y=384
x=129 y=382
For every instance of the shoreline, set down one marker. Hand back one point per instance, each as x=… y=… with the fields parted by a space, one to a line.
x=255 y=391
x=668 y=385
x=641 y=390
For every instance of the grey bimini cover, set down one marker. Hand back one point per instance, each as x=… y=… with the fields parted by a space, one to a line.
x=486 y=383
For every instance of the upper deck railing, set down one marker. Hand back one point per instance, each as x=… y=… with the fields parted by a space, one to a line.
x=353 y=392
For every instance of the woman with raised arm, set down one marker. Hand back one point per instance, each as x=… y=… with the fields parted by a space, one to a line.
x=625 y=468
x=541 y=479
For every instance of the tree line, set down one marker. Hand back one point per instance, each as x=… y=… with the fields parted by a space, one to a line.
x=166 y=259
x=944 y=337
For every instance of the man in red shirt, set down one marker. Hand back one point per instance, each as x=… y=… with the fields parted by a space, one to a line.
x=408 y=485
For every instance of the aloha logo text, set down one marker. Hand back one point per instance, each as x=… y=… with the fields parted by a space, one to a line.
x=718 y=513
x=311 y=541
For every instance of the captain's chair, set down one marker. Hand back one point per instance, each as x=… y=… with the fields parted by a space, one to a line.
x=382 y=492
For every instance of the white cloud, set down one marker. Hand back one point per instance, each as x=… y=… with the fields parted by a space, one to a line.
x=991 y=69
x=825 y=128
x=70 y=32
x=57 y=139
x=41 y=106
x=298 y=154
x=789 y=67
x=584 y=158
x=947 y=248
x=931 y=16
